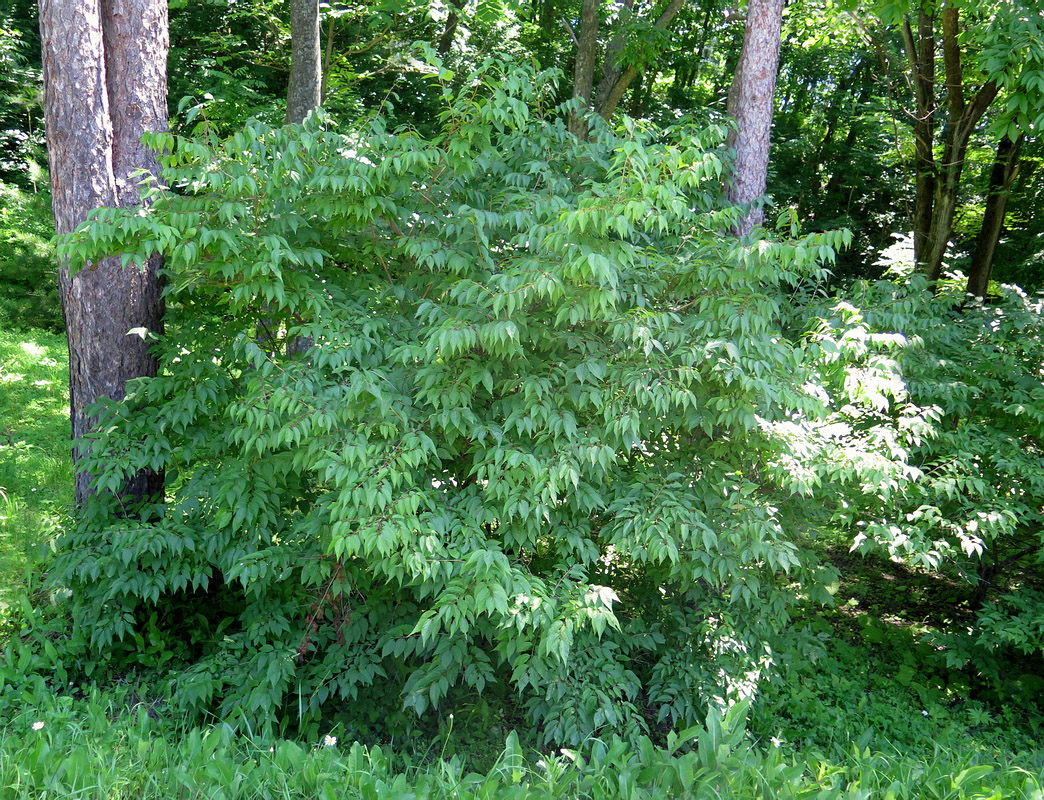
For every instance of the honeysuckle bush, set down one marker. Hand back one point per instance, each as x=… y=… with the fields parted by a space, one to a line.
x=497 y=408
x=953 y=389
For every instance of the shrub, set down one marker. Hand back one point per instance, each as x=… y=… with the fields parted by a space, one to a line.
x=951 y=387
x=495 y=407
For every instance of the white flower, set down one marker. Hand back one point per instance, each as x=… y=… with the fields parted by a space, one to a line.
x=776 y=741
x=925 y=712
x=38 y=726
x=329 y=741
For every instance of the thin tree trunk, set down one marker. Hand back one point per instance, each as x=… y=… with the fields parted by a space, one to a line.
x=920 y=53
x=1002 y=176
x=104 y=64
x=750 y=106
x=305 y=90
x=449 y=30
x=327 y=59
x=962 y=119
x=304 y=95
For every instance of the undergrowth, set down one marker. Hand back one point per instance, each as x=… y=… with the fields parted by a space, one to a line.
x=111 y=745
x=28 y=276
x=35 y=465
x=850 y=724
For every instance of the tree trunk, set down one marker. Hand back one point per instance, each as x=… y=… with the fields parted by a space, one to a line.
x=583 y=71
x=920 y=53
x=105 y=84
x=327 y=59
x=750 y=107
x=616 y=79
x=449 y=31
x=304 y=93
x=938 y=184
x=1005 y=168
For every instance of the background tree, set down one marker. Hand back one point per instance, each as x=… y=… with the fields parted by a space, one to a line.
x=104 y=64
x=1002 y=176
x=750 y=106
x=305 y=90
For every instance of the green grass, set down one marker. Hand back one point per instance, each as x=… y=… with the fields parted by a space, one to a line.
x=110 y=745
x=35 y=463
x=28 y=275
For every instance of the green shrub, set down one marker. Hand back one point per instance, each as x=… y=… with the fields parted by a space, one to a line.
x=949 y=390
x=495 y=407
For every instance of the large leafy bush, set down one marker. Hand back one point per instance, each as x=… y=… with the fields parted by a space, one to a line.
x=950 y=391
x=496 y=407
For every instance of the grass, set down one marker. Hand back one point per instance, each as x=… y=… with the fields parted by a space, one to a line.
x=104 y=745
x=35 y=464
x=29 y=299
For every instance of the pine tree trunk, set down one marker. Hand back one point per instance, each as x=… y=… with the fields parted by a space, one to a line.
x=750 y=106
x=304 y=95
x=306 y=82
x=105 y=85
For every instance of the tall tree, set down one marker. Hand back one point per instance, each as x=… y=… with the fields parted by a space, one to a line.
x=1002 y=176
x=938 y=182
x=584 y=68
x=306 y=84
x=306 y=69
x=750 y=107
x=105 y=83
x=617 y=75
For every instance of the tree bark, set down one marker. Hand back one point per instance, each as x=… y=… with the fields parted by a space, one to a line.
x=327 y=59
x=1002 y=176
x=305 y=91
x=615 y=78
x=105 y=84
x=449 y=31
x=750 y=107
x=920 y=53
x=937 y=184
x=583 y=71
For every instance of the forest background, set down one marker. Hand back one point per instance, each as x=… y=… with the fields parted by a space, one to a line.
x=484 y=420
